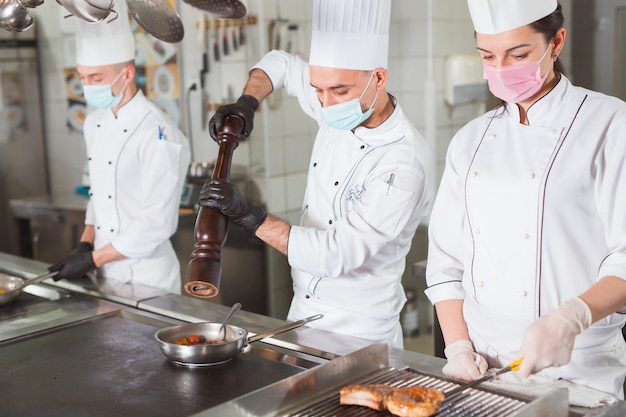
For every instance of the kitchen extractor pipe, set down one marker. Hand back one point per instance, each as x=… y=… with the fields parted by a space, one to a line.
x=205 y=267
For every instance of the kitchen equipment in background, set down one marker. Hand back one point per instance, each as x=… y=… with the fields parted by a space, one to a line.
x=157 y=18
x=23 y=160
x=14 y=17
x=223 y=9
x=208 y=354
x=12 y=286
x=205 y=268
x=464 y=80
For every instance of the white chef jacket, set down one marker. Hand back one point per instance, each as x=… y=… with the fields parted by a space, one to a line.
x=366 y=193
x=136 y=180
x=528 y=216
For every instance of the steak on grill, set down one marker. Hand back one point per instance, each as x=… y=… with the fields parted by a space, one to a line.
x=403 y=402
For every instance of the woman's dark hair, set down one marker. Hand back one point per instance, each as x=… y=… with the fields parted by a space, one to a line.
x=549 y=25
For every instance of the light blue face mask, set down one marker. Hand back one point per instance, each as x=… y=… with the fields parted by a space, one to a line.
x=348 y=115
x=101 y=95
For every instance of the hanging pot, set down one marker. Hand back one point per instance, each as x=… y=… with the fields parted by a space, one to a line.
x=91 y=11
x=14 y=17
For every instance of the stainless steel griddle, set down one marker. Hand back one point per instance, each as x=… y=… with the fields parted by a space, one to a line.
x=111 y=365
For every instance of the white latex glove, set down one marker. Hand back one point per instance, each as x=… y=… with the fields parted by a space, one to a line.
x=463 y=363
x=549 y=341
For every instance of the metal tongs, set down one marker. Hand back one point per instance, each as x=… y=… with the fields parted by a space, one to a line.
x=513 y=366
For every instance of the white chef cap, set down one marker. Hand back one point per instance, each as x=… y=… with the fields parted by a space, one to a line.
x=350 y=34
x=106 y=42
x=495 y=16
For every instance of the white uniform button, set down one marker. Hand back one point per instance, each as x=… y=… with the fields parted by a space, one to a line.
x=477 y=230
x=531 y=176
x=480 y=284
x=491 y=136
x=525 y=236
x=523 y=293
x=473 y=173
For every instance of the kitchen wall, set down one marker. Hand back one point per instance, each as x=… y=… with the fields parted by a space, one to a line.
x=423 y=34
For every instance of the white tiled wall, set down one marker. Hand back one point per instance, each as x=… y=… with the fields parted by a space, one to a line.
x=423 y=34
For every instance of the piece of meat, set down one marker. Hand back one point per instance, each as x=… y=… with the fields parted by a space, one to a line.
x=414 y=402
x=369 y=395
x=403 y=402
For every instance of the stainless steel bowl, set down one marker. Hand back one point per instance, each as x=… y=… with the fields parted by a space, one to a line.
x=202 y=354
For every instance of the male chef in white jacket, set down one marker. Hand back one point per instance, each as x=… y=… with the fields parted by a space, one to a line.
x=370 y=175
x=137 y=162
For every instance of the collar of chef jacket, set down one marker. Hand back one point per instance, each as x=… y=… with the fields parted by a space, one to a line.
x=136 y=107
x=546 y=111
x=389 y=131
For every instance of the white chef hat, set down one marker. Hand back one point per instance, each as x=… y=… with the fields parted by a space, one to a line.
x=106 y=42
x=495 y=16
x=350 y=34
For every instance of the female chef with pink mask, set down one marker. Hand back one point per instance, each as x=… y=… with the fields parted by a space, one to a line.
x=527 y=251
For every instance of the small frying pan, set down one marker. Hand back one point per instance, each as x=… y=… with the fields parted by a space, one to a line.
x=216 y=351
x=12 y=286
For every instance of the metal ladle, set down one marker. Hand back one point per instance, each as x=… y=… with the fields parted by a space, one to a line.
x=235 y=308
x=223 y=9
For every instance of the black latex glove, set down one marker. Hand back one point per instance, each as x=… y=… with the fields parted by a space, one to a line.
x=226 y=198
x=76 y=264
x=244 y=108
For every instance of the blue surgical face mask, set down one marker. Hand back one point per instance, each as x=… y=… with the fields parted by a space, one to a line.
x=348 y=115
x=101 y=95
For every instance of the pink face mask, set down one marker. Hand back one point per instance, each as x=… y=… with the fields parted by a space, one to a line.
x=515 y=83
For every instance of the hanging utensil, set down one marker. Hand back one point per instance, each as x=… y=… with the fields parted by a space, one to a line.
x=223 y=9
x=91 y=11
x=30 y=3
x=235 y=308
x=513 y=366
x=14 y=17
x=157 y=18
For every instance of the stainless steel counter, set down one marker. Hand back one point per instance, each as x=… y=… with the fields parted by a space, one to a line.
x=87 y=348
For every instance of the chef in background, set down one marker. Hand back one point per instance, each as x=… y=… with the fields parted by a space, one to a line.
x=369 y=180
x=527 y=248
x=137 y=161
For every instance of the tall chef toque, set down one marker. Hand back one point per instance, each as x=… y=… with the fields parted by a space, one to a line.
x=350 y=34
x=105 y=43
x=495 y=16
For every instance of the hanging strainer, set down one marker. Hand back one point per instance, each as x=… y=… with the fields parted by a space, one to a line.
x=223 y=9
x=158 y=19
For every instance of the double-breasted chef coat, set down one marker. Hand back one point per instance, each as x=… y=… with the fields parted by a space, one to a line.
x=528 y=216
x=366 y=193
x=137 y=166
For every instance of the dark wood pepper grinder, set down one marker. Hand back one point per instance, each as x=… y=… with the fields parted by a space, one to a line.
x=204 y=270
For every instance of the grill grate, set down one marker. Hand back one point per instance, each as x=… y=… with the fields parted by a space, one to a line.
x=470 y=403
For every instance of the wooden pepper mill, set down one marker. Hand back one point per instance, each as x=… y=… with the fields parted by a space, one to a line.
x=204 y=270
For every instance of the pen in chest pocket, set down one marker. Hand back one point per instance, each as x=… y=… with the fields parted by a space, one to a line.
x=161 y=135
x=390 y=182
